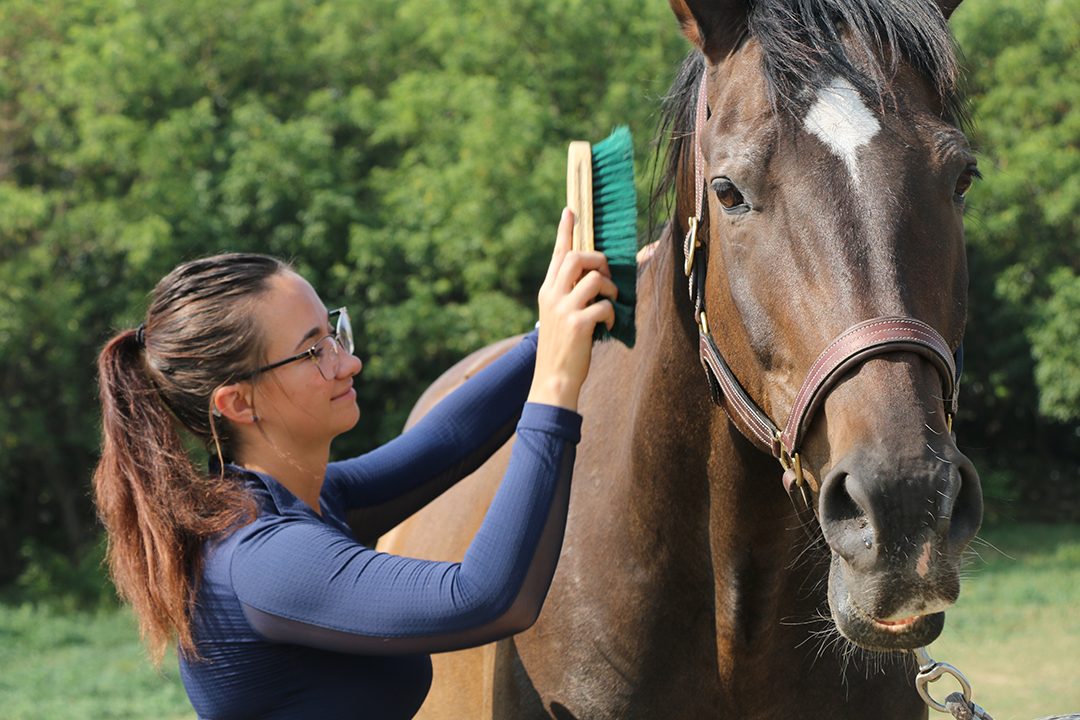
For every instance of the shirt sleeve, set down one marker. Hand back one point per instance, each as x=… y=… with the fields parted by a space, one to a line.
x=383 y=487
x=303 y=582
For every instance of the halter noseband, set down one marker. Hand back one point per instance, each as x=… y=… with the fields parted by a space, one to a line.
x=853 y=346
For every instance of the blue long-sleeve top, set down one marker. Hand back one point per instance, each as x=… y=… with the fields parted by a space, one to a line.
x=295 y=618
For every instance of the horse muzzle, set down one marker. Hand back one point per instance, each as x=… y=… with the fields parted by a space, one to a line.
x=897 y=531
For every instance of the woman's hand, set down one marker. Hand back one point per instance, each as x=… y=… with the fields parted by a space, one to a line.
x=569 y=312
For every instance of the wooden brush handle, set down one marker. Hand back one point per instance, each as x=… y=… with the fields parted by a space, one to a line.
x=579 y=193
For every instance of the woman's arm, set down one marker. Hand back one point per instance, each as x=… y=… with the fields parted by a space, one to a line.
x=387 y=485
x=305 y=583
x=571 y=305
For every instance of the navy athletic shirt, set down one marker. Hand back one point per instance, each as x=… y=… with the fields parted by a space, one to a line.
x=295 y=618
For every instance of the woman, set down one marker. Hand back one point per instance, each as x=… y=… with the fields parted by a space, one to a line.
x=278 y=610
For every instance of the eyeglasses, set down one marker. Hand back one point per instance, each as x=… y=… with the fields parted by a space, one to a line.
x=326 y=353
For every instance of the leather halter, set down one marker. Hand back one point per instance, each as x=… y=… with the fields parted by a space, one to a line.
x=853 y=346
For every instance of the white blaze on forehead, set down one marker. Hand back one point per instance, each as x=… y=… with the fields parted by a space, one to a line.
x=841 y=120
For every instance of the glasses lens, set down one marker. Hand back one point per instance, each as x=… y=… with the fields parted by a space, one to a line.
x=344 y=330
x=326 y=357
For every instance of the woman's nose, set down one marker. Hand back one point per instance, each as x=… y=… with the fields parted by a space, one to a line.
x=351 y=365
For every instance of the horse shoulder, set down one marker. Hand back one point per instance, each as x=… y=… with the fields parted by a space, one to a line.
x=456 y=375
x=443 y=529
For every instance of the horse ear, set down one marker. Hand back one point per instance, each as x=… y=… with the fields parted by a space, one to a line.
x=947 y=7
x=715 y=26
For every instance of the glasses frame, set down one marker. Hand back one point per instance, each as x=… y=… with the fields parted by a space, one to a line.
x=342 y=336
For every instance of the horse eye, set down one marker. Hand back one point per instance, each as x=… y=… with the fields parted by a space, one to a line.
x=727 y=194
x=965 y=181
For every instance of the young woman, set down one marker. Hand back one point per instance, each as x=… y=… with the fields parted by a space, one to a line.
x=279 y=611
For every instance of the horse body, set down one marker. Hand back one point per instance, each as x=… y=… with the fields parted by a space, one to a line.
x=692 y=581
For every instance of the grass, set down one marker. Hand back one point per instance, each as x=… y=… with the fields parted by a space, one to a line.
x=1015 y=634
x=84 y=666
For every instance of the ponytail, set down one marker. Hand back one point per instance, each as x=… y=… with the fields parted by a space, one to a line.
x=158 y=510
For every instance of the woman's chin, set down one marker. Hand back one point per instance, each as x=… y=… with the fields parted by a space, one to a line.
x=350 y=415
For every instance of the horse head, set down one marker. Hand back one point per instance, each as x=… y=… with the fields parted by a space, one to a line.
x=829 y=191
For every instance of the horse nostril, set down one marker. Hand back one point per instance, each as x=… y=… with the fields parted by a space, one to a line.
x=966 y=516
x=844 y=519
x=838 y=505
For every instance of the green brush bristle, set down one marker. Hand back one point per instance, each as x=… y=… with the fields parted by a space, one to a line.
x=615 y=225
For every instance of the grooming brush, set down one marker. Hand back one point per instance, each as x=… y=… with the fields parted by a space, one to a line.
x=600 y=191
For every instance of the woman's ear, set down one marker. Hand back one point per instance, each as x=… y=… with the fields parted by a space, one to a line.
x=236 y=402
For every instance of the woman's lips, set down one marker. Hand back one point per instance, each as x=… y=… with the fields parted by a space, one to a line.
x=349 y=393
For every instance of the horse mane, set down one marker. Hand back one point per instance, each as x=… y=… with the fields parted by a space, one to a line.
x=805 y=44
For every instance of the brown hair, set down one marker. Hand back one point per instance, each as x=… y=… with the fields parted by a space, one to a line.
x=159 y=510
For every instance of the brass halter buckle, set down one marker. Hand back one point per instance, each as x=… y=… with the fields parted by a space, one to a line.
x=791 y=461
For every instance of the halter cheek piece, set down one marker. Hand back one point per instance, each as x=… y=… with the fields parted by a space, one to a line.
x=853 y=346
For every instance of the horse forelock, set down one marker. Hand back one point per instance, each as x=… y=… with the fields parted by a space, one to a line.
x=807 y=45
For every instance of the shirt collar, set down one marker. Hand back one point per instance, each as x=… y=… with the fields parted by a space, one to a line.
x=272 y=495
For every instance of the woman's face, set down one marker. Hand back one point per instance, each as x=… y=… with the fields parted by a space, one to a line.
x=294 y=403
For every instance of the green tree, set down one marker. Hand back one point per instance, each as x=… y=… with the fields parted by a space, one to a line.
x=409 y=157
x=1022 y=382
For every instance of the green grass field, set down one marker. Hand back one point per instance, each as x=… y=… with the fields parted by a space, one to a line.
x=1015 y=634
x=82 y=666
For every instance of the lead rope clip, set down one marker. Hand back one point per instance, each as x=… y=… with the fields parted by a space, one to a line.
x=931 y=670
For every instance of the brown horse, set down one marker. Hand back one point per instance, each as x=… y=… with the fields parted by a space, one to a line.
x=816 y=154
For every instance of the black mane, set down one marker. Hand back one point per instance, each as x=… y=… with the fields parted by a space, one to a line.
x=806 y=43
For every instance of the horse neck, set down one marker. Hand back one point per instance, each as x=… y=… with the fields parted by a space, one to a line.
x=672 y=393
x=671 y=398
x=699 y=461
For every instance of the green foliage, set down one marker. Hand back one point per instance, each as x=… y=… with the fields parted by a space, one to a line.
x=1055 y=340
x=409 y=157
x=52 y=580
x=1021 y=400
